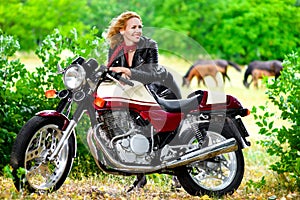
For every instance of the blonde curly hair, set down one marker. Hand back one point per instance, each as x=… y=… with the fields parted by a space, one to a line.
x=118 y=23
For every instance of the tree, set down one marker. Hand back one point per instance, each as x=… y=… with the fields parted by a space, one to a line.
x=238 y=30
x=31 y=21
x=249 y=30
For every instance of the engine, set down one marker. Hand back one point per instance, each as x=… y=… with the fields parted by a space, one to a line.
x=127 y=136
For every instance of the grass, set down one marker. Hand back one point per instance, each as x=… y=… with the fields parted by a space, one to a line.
x=258 y=183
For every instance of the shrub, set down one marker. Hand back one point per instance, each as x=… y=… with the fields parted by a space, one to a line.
x=283 y=140
x=22 y=92
x=50 y=52
x=21 y=95
x=10 y=100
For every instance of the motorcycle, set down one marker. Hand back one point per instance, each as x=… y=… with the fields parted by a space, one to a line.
x=133 y=131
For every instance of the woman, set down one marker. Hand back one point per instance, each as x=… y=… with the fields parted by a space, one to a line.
x=136 y=57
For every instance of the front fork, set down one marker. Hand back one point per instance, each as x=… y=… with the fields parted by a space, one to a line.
x=66 y=134
x=69 y=125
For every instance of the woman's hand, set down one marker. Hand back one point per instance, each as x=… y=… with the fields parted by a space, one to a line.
x=126 y=73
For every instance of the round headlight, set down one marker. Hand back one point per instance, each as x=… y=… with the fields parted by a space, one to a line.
x=74 y=76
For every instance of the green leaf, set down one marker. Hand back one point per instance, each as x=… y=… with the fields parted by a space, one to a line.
x=265 y=122
x=253 y=109
x=271 y=125
x=259 y=124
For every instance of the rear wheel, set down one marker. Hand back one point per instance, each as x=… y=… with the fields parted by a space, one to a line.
x=31 y=151
x=215 y=176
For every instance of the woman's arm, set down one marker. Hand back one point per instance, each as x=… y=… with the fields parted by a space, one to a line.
x=149 y=71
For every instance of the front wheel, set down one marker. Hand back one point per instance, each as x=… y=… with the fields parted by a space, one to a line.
x=31 y=151
x=215 y=176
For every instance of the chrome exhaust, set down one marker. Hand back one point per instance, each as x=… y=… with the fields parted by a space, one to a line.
x=226 y=146
x=211 y=151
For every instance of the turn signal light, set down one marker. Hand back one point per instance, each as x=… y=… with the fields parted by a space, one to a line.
x=244 y=112
x=50 y=93
x=248 y=112
x=99 y=102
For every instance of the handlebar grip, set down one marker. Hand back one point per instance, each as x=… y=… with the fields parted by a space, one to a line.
x=124 y=80
x=103 y=68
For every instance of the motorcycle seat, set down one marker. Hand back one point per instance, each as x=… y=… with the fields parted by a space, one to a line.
x=178 y=105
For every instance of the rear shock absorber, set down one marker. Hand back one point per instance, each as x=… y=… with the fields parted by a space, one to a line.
x=200 y=133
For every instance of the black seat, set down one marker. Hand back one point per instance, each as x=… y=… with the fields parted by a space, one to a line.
x=178 y=105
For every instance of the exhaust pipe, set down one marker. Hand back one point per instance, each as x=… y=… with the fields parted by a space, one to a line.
x=226 y=146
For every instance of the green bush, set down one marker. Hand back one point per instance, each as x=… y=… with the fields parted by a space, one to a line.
x=50 y=52
x=19 y=96
x=282 y=130
x=22 y=92
x=10 y=100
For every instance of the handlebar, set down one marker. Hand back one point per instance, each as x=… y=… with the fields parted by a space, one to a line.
x=96 y=74
x=113 y=75
x=120 y=78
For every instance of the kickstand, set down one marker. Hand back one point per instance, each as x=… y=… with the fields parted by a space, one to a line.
x=139 y=182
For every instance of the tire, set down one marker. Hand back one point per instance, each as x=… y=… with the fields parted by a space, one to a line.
x=31 y=150
x=215 y=176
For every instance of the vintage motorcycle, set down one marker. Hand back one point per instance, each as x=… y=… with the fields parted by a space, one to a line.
x=133 y=131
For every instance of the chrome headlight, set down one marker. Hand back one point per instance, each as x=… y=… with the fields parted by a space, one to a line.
x=74 y=76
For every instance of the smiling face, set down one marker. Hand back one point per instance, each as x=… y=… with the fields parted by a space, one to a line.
x=133 y=31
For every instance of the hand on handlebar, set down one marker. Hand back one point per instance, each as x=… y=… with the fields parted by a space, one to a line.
x=124 y=77
x=126 y=73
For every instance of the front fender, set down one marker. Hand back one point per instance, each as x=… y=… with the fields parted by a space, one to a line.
x=54 y=113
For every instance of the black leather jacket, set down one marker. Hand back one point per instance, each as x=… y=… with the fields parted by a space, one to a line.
x=145 y=68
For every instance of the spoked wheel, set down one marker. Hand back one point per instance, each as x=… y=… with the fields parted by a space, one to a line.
x=215 y=176
x=33 y=146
